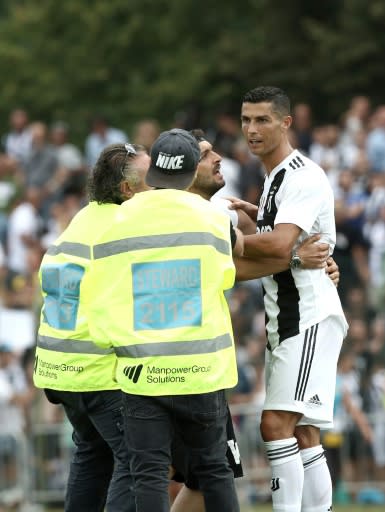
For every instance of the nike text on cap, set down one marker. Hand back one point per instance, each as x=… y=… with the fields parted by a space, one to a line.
x=174 y=158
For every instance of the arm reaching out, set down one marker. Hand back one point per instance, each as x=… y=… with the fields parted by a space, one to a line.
x=312 y=254
x=238 y=204
x=247 y=268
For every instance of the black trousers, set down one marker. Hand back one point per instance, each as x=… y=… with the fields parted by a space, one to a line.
x=99 y=473
x=200 y=420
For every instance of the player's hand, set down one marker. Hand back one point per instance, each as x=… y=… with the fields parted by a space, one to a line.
x=332 y=270
x=312 y=253
x=239 y=204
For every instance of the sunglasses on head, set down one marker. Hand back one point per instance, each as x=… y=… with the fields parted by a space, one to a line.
x=130 y=150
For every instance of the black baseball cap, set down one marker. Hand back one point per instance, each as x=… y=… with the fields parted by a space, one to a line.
x=174 y=158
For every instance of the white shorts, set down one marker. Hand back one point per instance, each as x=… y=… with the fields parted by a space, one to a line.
x=301 y=373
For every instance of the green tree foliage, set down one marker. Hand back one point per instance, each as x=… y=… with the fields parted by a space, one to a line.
x=131 y=59
x=349 y=53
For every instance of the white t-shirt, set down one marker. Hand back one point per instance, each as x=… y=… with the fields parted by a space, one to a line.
x=69 y=157
x=12 y=382
x=297 y=192
x=222 y=205
x=23 y=220
x=95 y=143
x=18 y=145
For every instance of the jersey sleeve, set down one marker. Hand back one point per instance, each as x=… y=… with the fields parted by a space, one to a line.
x=301 y=201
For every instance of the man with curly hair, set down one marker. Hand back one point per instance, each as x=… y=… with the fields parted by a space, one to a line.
x=72 y=370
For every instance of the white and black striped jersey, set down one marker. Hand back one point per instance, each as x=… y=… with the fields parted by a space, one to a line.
x=297 y=191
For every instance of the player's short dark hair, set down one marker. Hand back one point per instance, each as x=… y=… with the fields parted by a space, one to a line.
x=111 y=168
x=198 y=134
x=277 y=97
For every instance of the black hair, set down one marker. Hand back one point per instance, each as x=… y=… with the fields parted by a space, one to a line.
x=269 y=94
x=198 y=134
x=103 y=185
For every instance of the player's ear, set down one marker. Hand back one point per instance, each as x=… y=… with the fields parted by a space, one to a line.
x=126 y=190
x=286 y=122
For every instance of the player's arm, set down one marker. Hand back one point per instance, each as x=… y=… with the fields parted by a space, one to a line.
x=246 y=214
x=251 y=210
x=245 y=223
x=312 y=254
x=277 y=243
x=247 y=268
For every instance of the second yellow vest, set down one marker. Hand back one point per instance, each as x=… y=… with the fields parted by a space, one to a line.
x=66 y=357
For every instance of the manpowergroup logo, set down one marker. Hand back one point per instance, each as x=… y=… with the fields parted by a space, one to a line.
x=169 y=375
x=133 y=372
x=51 y=370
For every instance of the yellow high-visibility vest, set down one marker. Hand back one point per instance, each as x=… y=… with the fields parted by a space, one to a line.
x=66 y=357
x=158 y=278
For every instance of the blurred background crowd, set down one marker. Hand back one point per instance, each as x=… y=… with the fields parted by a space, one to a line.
x=43 y=176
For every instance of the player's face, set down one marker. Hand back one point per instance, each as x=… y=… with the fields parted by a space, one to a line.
x=209 y=178
x=264 y=130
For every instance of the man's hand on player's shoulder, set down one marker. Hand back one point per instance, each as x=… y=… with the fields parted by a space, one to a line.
x=239 y=204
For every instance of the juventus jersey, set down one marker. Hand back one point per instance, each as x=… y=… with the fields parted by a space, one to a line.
x=298 y=192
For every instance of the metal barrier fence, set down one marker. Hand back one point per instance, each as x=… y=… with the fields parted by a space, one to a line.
x=13 y=477
x=50 y=452
x=34 y=469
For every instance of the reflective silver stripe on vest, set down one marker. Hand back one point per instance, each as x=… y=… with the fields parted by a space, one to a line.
x=71 y=346
x=138 y=243
x=71 y=248
x=177 y=348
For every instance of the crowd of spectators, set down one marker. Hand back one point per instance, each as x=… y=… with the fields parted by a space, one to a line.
x=43 y=184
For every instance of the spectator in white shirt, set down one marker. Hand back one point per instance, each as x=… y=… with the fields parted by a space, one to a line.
x=17 y=143
x=101 y=135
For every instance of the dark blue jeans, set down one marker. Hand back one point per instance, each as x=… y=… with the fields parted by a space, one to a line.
x=200 y=420
x=99 y=474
